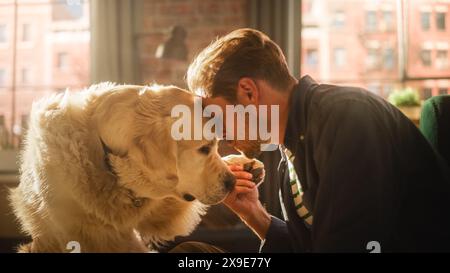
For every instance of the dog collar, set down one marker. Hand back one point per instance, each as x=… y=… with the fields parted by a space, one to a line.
x=137 y=201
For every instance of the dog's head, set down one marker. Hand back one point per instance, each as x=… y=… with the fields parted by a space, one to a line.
x=135 y=124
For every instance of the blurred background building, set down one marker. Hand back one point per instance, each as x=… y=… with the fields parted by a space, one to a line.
x=378 y=44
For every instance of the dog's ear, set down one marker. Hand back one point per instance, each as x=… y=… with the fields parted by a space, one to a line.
x=159 y=101
x=154 y=109
x=113 y=118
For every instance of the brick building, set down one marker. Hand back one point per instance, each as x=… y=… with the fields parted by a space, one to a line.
x=51 y=53
x=357 y=42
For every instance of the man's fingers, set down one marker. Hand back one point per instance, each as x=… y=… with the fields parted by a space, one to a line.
x=240 y=190
x=234 y=168
x=245 y=183
x=242 y=175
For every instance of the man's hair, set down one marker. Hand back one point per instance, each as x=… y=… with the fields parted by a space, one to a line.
x=245 y=52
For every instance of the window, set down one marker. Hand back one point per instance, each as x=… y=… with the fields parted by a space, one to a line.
x=26 y=32
x=25 y=75
x=387 y=90
x=62 y=60
x=388 y=20
x=426 y=93
x=374 y=88
x=2 y=33
x=440 y=20
x=67 y=10
x=425 y=56
x=2 y=77
x=372 y=60
x=425 y=20
x=371 y=21
x=312 y=58
x=339 y=57
x=388 y=60
x=338 y=19
x=39 y=68
x=442 y=59
x=442 y=91
x=371 y=46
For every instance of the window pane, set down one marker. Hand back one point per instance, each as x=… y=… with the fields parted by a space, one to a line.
x=62 y=61
x=425 y=56
x=2 y=77
x=50 y=35
x=340 y=56
x=371 y=21
x=426 y=93
x=442 y=91
x=338 y=19
x=440 y=20
x=388 y=20
x=26 y=32
x=312 y=58
x=372 y=59
x=425 y=20
x=67 y=10
x=389 y=60
x=442 y=59
x=2 y=33
x=25 y=76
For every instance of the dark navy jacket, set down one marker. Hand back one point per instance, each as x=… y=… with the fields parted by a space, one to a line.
x=367 y=174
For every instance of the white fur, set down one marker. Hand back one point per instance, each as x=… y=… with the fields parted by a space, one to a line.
x=66 y=193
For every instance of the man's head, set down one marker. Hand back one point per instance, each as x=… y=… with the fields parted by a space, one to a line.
x=244 y=67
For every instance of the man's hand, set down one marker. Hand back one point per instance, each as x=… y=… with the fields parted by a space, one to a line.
x=244 y=201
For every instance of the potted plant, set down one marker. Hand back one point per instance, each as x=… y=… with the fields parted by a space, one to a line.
x=408 y=101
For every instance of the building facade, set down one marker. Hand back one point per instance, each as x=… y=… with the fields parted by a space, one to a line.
x=380 y=45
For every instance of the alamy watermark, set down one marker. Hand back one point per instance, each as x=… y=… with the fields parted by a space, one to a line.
x=189 y=126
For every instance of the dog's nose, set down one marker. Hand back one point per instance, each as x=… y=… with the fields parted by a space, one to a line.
x=229 y=182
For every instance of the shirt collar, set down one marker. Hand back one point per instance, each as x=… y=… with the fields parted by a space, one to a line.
x=297 y=112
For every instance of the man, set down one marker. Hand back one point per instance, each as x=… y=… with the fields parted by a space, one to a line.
x=366 y=179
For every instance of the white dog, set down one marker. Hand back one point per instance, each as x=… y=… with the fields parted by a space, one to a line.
x=100 y=168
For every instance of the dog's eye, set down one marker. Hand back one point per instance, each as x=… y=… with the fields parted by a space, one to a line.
x=205 y=149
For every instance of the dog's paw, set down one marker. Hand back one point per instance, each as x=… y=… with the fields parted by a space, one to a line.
x=253 y=166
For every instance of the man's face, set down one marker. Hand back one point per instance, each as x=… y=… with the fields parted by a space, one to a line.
x=246 y=96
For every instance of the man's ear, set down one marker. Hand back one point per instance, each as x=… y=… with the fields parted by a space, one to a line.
x=247 y=91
